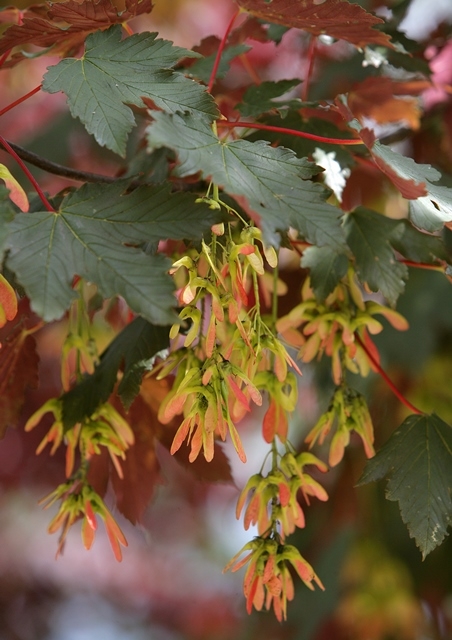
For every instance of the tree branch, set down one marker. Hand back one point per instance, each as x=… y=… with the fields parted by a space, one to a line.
x=58 y=169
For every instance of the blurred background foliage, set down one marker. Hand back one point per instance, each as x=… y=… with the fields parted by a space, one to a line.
x=169 y=585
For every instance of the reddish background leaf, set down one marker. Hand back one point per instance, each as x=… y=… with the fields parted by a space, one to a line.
x=336 y=18
x=141 y=468
x=18 y=371
x=384 y=100
x=44 y=28
x=219 y=470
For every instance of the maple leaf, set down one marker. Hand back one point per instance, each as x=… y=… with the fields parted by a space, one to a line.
x=133 y=350
x=430 y=204
x=141 y=468
x=98 y=235
x=18 y=371
x=369 y=236
x=385 y=100
x=336 y=18
x=113 y=72
x=327 y=269
x=417 y=459
x=273 y=180
x=65 y=25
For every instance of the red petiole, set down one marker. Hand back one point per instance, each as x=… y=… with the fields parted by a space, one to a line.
x=19 y=100
x=220 y=51
x=292 y=132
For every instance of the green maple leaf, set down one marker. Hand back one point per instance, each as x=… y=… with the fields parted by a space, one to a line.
x=369 y=236
x=417 y=459
x=113 y=72
x=273 y=180
x=97 y=234
x=135 y=347
x=326 y=267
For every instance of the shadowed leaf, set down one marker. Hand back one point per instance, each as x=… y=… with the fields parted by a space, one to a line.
x=417 y=460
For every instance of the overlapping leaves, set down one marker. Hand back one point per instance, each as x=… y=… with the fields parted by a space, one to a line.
x=113 y=73
x=273 y=180
x=97 y=234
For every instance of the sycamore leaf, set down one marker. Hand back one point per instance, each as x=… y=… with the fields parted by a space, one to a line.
x=18 y=371
x=430 y=204
x=66 y=24
x=273 y=180
x=16 y=193
x=141 y=468
x=336 y=18
x=417 y=460
x=258 y=99
x=113 y=72
x=326 y=269
x=97 y=234
x=202 y=69
x=369 y=236
x=133 y=350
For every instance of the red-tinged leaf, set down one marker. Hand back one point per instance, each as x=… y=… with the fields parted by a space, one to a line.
x=141 y=468
x=385 y=100
x=8 y=302
x=336 y=18
x=46 y=27
x=16 y=193
x=18 y=371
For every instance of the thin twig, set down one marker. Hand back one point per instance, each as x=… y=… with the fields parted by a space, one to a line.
x=58 y=169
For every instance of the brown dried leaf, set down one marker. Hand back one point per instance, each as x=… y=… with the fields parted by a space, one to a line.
x=18 y=371
x=385 y=100
x=336 y=18
x=46 y=27
x=141 y=469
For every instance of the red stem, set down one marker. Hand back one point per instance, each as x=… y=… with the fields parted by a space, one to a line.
x=38 y=189
x=311 y=57
x=19 y=100
x=4 y=57
x=220 y=51
x=422 y=265
x=293 y=132
x=387 y=379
